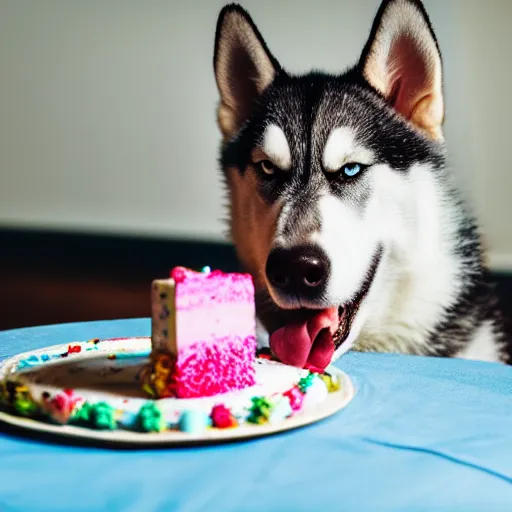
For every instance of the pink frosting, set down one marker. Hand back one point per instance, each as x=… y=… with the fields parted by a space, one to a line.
x=201 y=289
x=206 y=369
x=215 y=330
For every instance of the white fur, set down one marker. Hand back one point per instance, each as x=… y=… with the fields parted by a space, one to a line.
x=482 y=347
x=280 y=240
x=341 y=148
x=276 y=147
x=417 y=277
x=349 y=242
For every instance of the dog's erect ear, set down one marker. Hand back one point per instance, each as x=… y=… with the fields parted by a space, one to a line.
x=402 y=61
x=244 y=67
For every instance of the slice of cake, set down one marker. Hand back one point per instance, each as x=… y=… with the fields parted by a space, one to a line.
x=203 y=334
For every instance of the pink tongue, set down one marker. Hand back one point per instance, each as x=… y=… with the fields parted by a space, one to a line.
x=309 y=342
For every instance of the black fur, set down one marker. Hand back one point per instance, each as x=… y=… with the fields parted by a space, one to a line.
x=307 y=108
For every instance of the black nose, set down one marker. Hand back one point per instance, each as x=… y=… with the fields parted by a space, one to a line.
x=299 y=271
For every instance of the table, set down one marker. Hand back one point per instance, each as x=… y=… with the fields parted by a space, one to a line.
x=421 y=434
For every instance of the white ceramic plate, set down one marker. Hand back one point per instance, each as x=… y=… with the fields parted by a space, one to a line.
x=108 y=371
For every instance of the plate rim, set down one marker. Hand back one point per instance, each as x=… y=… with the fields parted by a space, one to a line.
x=334 y=403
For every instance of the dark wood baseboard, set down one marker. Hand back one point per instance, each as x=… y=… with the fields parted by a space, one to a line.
x=55 y=277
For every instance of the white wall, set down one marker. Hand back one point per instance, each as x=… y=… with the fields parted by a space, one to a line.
x=107 y=108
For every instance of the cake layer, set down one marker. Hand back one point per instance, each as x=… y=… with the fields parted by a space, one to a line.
x=212 y=324
x=192 y=306
x=163 y=316
x=203 y=334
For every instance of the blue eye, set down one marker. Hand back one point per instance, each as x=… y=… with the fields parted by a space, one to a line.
x=350 y=170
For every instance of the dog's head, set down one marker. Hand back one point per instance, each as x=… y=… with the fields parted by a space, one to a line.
x=318 y=167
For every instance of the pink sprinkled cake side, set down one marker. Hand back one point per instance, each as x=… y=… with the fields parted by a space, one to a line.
x=203 y=334
x=207 y=369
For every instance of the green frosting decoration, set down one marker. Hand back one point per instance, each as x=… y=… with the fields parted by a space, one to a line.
x=24 y=405
x=17 y=395
x=260 y=410
x=306 y=382
x=103 y=416
x=99 y=416
x=150 y=418
x=82 y=414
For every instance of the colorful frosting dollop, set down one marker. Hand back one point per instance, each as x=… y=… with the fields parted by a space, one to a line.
x=61 y=406
x=222 y=417
x=100 y=416
x=150 y=418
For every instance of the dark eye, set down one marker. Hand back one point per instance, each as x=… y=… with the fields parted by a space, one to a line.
x=266 y=167
x=351 y=169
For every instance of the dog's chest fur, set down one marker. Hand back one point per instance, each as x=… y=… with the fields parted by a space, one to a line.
x=432 y=295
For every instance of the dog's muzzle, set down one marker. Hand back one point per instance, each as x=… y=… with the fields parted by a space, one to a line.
x=316 y=334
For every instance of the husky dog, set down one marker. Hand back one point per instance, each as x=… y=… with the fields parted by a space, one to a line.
x=341 y=206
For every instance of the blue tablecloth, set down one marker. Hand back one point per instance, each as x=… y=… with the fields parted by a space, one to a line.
x=422 y=434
